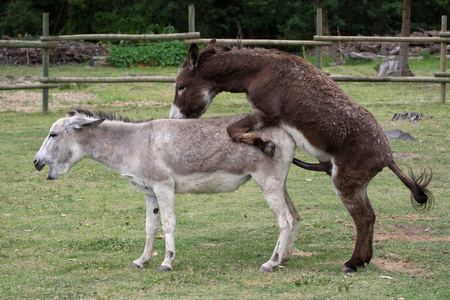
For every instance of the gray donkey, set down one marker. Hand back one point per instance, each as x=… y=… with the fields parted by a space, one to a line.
x=163 y=157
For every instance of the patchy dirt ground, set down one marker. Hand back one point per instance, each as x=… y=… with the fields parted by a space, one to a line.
x=405 y=155
x=388 y=264
x=392 y=262
x=32 y=101
x=410 y=233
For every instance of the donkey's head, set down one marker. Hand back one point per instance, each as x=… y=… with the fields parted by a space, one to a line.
x=194 y=92
x=61 y=148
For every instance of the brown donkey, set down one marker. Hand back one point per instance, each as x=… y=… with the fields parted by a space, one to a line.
x=286 y=90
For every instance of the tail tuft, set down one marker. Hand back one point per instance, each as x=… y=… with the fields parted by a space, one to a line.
x=421 y=198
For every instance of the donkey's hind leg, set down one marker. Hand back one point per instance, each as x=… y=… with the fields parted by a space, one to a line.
x=166 y=198
x=287 y=219
x=255 y=120
x=354 y=196
x=289 y=250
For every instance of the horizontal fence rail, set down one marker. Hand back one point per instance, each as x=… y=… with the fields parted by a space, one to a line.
x=255 y=42
x=27 y=86
x=390 y=79
x=397 y=39
x=107 y=79
x=442 y=74
x=128 y=37
x=28 y=44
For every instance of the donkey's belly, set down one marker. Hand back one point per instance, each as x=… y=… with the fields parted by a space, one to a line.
x=303 y=142
x=217 y=182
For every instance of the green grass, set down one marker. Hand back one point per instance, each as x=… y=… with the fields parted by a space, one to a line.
x=76 y=237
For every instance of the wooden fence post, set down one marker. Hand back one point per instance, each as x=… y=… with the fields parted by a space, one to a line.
x=191 y=18
x=319 y=32
x=403 y=66
x=45 y=61
x=443 y=55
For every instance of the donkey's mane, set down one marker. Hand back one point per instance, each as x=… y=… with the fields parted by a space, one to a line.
x=210 y=50
x=104 y=115
x=238 y=48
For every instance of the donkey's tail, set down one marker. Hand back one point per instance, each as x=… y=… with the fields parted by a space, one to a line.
x=421 y=197
x=321 y=167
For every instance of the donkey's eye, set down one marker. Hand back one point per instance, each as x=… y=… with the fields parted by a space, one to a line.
x=52 y=134
x=181 y=88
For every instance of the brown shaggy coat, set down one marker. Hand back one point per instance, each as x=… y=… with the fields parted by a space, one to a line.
x=287 y=91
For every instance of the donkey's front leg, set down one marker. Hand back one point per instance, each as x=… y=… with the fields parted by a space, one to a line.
x=166 y=199
x=151 y=228
x=239 y=131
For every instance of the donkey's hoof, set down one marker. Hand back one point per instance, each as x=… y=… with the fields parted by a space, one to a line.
x=265 y=269
x=268 y=148
x=136 y=266
x=164 y=269
x=346 y=269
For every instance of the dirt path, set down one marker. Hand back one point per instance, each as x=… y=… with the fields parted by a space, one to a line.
x=32 y=101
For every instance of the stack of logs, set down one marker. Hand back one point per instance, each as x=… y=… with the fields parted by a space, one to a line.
x=66 y=53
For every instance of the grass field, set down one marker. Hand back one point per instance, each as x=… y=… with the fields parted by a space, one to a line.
x=75 y=238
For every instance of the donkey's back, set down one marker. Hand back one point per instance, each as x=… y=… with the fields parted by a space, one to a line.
x=202 y=158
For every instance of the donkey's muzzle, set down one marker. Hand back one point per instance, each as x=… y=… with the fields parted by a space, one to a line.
x=39 y=165
x=175 y=113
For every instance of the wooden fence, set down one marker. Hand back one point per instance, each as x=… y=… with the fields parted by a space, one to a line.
x=440 y=77
x=320 y=40
x=48 y=42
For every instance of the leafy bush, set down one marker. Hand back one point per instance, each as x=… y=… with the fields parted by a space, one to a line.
x=158 y=54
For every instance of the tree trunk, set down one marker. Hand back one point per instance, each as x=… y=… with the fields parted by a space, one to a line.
x=403 y=67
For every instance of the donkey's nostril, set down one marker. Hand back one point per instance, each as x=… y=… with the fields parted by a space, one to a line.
x=38 y=165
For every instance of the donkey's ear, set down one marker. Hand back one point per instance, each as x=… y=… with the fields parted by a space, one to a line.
x=211 y=43
x=193 y=56
x=80 y=123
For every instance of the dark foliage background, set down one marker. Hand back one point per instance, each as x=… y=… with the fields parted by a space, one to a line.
x=285 y=19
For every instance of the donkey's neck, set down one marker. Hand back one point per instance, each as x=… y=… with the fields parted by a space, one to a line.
x=112 y=144
x=237 y=71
